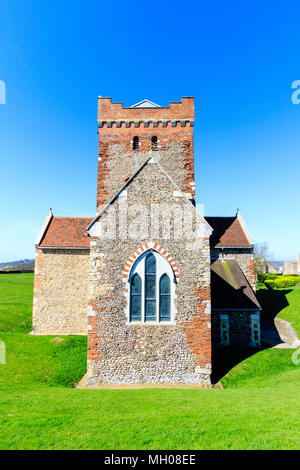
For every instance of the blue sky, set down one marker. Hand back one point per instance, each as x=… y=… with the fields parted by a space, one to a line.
x=237 y=58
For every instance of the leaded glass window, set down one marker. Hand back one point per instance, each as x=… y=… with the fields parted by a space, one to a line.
x=164 y=298
x=135 y=298
x=150 y=288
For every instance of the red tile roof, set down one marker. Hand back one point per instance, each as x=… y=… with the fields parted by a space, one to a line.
x=66 y=232
x=63 y=232
x=227 y=231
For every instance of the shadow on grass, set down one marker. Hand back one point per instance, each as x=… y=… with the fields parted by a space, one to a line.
x=272 y=302
x=224 y=359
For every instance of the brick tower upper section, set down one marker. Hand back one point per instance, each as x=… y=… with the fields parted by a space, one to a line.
x=124 y=138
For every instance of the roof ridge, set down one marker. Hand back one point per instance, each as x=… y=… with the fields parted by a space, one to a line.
x=221 y=216
x=70 y=217
x=229 y=232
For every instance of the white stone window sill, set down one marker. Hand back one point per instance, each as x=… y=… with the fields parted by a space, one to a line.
x=152 y=323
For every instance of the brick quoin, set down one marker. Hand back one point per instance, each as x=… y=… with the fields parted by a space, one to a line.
x=174 y=124
x=93 y=335
x=197 y=332
x=251 y=275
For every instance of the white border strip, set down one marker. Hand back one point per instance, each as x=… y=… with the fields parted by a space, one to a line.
x=44 y=228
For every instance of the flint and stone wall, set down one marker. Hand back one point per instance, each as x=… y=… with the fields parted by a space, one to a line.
x=117 y=161
x=173 y=156
x=121 y=352
x=60 y=297
x=239 y=329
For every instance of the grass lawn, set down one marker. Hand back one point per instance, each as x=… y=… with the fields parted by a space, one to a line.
x=39 y=409
x=16 y=302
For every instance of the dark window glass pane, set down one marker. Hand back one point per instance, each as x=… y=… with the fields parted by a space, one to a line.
x=154 y=142
x=164 y=298
x=164 y=308
x=136 y=284
x=135 y=144
x=150 y=264
x=150 y=310
x=135 y=308
x=135 y=298
x=164 y=284
x=150 y=288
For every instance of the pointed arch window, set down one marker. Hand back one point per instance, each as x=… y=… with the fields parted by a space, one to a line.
x=152 y=289
x=135 y=143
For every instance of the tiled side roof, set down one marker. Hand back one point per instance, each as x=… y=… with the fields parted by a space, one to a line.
x=67 y=232
x=71 y=232
x=230 y=288
x=227 y=231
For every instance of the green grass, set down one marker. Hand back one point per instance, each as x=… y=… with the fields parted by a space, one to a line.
x=16 y=302
x=39 y=409
x=282 y=303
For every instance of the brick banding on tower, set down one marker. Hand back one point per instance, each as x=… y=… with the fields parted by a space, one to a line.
x=175 y=143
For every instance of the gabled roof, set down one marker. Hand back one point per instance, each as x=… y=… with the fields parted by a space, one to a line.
x=230 y=289
x=145 y=104
x=66 y=232
x=151 y=160
x=44 y=227
x=229 y=232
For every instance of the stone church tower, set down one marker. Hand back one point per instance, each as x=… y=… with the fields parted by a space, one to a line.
x=149 y=309
x=156 y=286
x=125 y=135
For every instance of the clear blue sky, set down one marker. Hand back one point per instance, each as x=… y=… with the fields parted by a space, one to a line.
x=238 y=58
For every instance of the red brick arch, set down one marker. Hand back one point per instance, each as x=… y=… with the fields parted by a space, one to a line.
x=148 y=246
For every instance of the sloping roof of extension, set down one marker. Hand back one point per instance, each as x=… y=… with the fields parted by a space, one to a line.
x=66 y=232
x=230 y=289
x=228 y=232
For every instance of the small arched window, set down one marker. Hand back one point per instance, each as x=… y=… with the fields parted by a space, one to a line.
x=135 y=298
x=164 y=298
x=135 y=143
x=154 y=142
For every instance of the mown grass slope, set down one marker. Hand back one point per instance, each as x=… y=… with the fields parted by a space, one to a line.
x=39 y=409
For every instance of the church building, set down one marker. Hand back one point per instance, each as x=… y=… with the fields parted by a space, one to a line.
x=154 y=283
